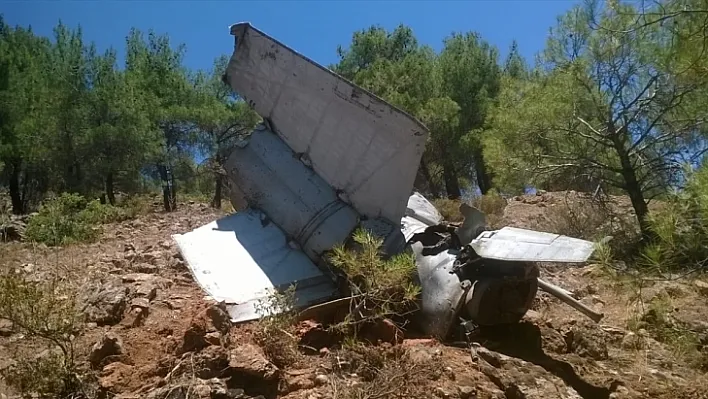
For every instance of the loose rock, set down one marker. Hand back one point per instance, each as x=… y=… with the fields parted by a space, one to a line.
x=105 y=303
x=6 y=328
x=213 y=319
x=249 y=359
x=110 y=345
x=211 y=362
x=702 y=287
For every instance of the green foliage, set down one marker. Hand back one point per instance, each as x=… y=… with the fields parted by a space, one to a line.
x=607 y=106
x=450 y=92
x=380 y=287
x=71 y=218
x=72 y=120
x=681 y=226
x=449 y=209
x=657 y=320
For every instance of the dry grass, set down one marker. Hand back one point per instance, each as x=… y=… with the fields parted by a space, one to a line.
x=44 y=310
x=381 y=373
x=274 y=331
x=492 y=205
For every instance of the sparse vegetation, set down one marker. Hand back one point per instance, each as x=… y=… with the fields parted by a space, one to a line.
x=45 y=311
x=385 y=373
x=492 y=204
x=71 y=218
x=274 y=331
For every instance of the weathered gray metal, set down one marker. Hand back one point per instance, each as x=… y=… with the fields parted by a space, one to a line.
x=331 y=157
x=358 y=143
x=273 y=180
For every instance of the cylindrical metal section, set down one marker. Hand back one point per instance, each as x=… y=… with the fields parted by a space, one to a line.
x=273 y=179
x=503 y=300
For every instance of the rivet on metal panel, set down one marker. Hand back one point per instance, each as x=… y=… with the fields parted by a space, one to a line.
x=305 y=159
x=343 y=196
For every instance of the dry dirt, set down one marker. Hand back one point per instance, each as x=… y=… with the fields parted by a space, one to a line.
x=150 y=333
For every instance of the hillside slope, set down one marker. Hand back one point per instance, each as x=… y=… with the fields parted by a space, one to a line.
x=148 y=332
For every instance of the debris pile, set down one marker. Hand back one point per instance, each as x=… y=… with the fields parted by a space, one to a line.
x=185 y=346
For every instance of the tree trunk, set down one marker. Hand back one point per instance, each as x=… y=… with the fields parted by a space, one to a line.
x=484 y=179
x=109 y=189
x=636 y=196
x=452 y=183
x=173 y=190
x=18 y=206
x=168 y=196
x=432 y=185
x=633 y=189
x=219 y=184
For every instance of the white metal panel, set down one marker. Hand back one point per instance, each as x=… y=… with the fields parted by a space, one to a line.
x=421 y=209
x=420 y=214
x=300 y=202
x=511 y=243
x=355 y=141
x=240 y=258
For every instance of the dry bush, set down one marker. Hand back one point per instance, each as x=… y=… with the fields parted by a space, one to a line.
x=274 y=331
x=449 y=209
x=135 y=205
x=579 y=219
x=491 y=204
x=380 y=288
x=381 y=373
x=656 y=319
x=46 y=311
x=594 y=219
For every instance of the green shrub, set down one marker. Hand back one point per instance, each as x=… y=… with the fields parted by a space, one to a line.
x=490 y=204
x=681 y=228
x=274 y=332
x=71 y=218
x=381 y=288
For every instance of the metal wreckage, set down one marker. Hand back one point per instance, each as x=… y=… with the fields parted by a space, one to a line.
x=329 y=158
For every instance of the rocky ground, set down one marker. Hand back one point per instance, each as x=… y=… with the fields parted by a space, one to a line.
x=149 y=332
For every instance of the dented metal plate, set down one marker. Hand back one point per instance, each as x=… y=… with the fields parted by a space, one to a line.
x=355 y=141
x=511 y=243
x=441 y=291
x=241 y=258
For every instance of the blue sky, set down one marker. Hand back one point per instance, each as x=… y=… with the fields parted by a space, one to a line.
x=313 y=28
